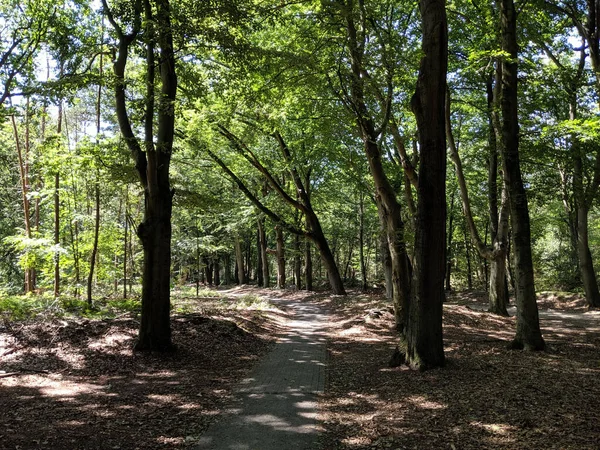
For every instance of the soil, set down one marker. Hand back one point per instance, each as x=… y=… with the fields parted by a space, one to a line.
x=76 y=383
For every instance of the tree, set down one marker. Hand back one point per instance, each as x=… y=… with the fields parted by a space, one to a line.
x=425 y=348
x=528 y=333
x=152 y=159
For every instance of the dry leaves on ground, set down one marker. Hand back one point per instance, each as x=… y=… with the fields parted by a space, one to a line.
x=485 y=397
x=76 y=384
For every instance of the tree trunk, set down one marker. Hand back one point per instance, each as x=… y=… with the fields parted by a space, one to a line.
x=152 y=162
x=469 y=269
x=95 y=244
x=208 y=271
x=217 y=271
x=227 y=269
x=56 y=235
x=425 y=348
x=126 y=231
x=361 y=241
x=528 y=333
x=260 y=281
x=297 y=263
x=582 y=205
x=308 y=266
x=263 y=251
x=385 y=196
x=386 y=263
x=449 y=245
x=348 y=260
x=280 y=258
x=239 y=261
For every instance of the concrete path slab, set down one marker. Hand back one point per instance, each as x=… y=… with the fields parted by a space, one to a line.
x=276 y=407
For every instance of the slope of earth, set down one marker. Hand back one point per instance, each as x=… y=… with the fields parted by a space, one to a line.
x=74 y=383
x=485 y=397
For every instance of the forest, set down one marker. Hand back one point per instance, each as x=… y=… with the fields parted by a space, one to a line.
x=179 y=177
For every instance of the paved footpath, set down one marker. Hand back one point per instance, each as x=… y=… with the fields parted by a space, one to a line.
x=276 y=407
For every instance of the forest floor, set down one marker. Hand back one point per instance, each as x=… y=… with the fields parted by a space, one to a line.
x=68 y=382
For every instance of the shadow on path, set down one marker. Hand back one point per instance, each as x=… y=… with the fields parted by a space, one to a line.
x=276 y=407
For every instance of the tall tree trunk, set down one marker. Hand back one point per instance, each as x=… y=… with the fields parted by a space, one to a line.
x=125 y=233
x=280 y=258
x=94 y=254
x=586 y=263
x=385 y=197
x=152 y=162
x=56 y=235
x=424 y=340
x=582 y=206
x=227 y=269
x=23 y=172
x=386 y=263
x=308 y=266
x=297 y=263
x=528 y=333
x=348 y=260
x=361 y=240
x=449 y=252
x=57 y=212
x=260 y=281
x=499 y=223
x=239 y=260
x=469 y=269
x=208 y=271
x=217 y=269
x=264 y=254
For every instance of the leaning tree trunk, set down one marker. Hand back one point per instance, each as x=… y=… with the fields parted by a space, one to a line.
x=528 y=333
x=389 y=208
x=425 y=348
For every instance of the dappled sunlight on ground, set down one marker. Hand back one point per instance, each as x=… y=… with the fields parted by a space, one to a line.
x=485 y=397
x=76 y=383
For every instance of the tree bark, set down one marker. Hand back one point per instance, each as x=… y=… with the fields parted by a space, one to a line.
x=528 y=333
x=263 y=251
x=227 y=269
x=308 y=266
x=260 y=281
x=385 y=197
x=94 y=254
x=449 y=252
x=297 y=263
x=361 y=240
x=497 y=294
x=239 y=259
x=152 y=162
x=280 y=258
x=424 y=339
x=217 y=271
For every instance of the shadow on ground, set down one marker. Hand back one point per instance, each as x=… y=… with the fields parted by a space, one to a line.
x=485 y=397
x=76 y=384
